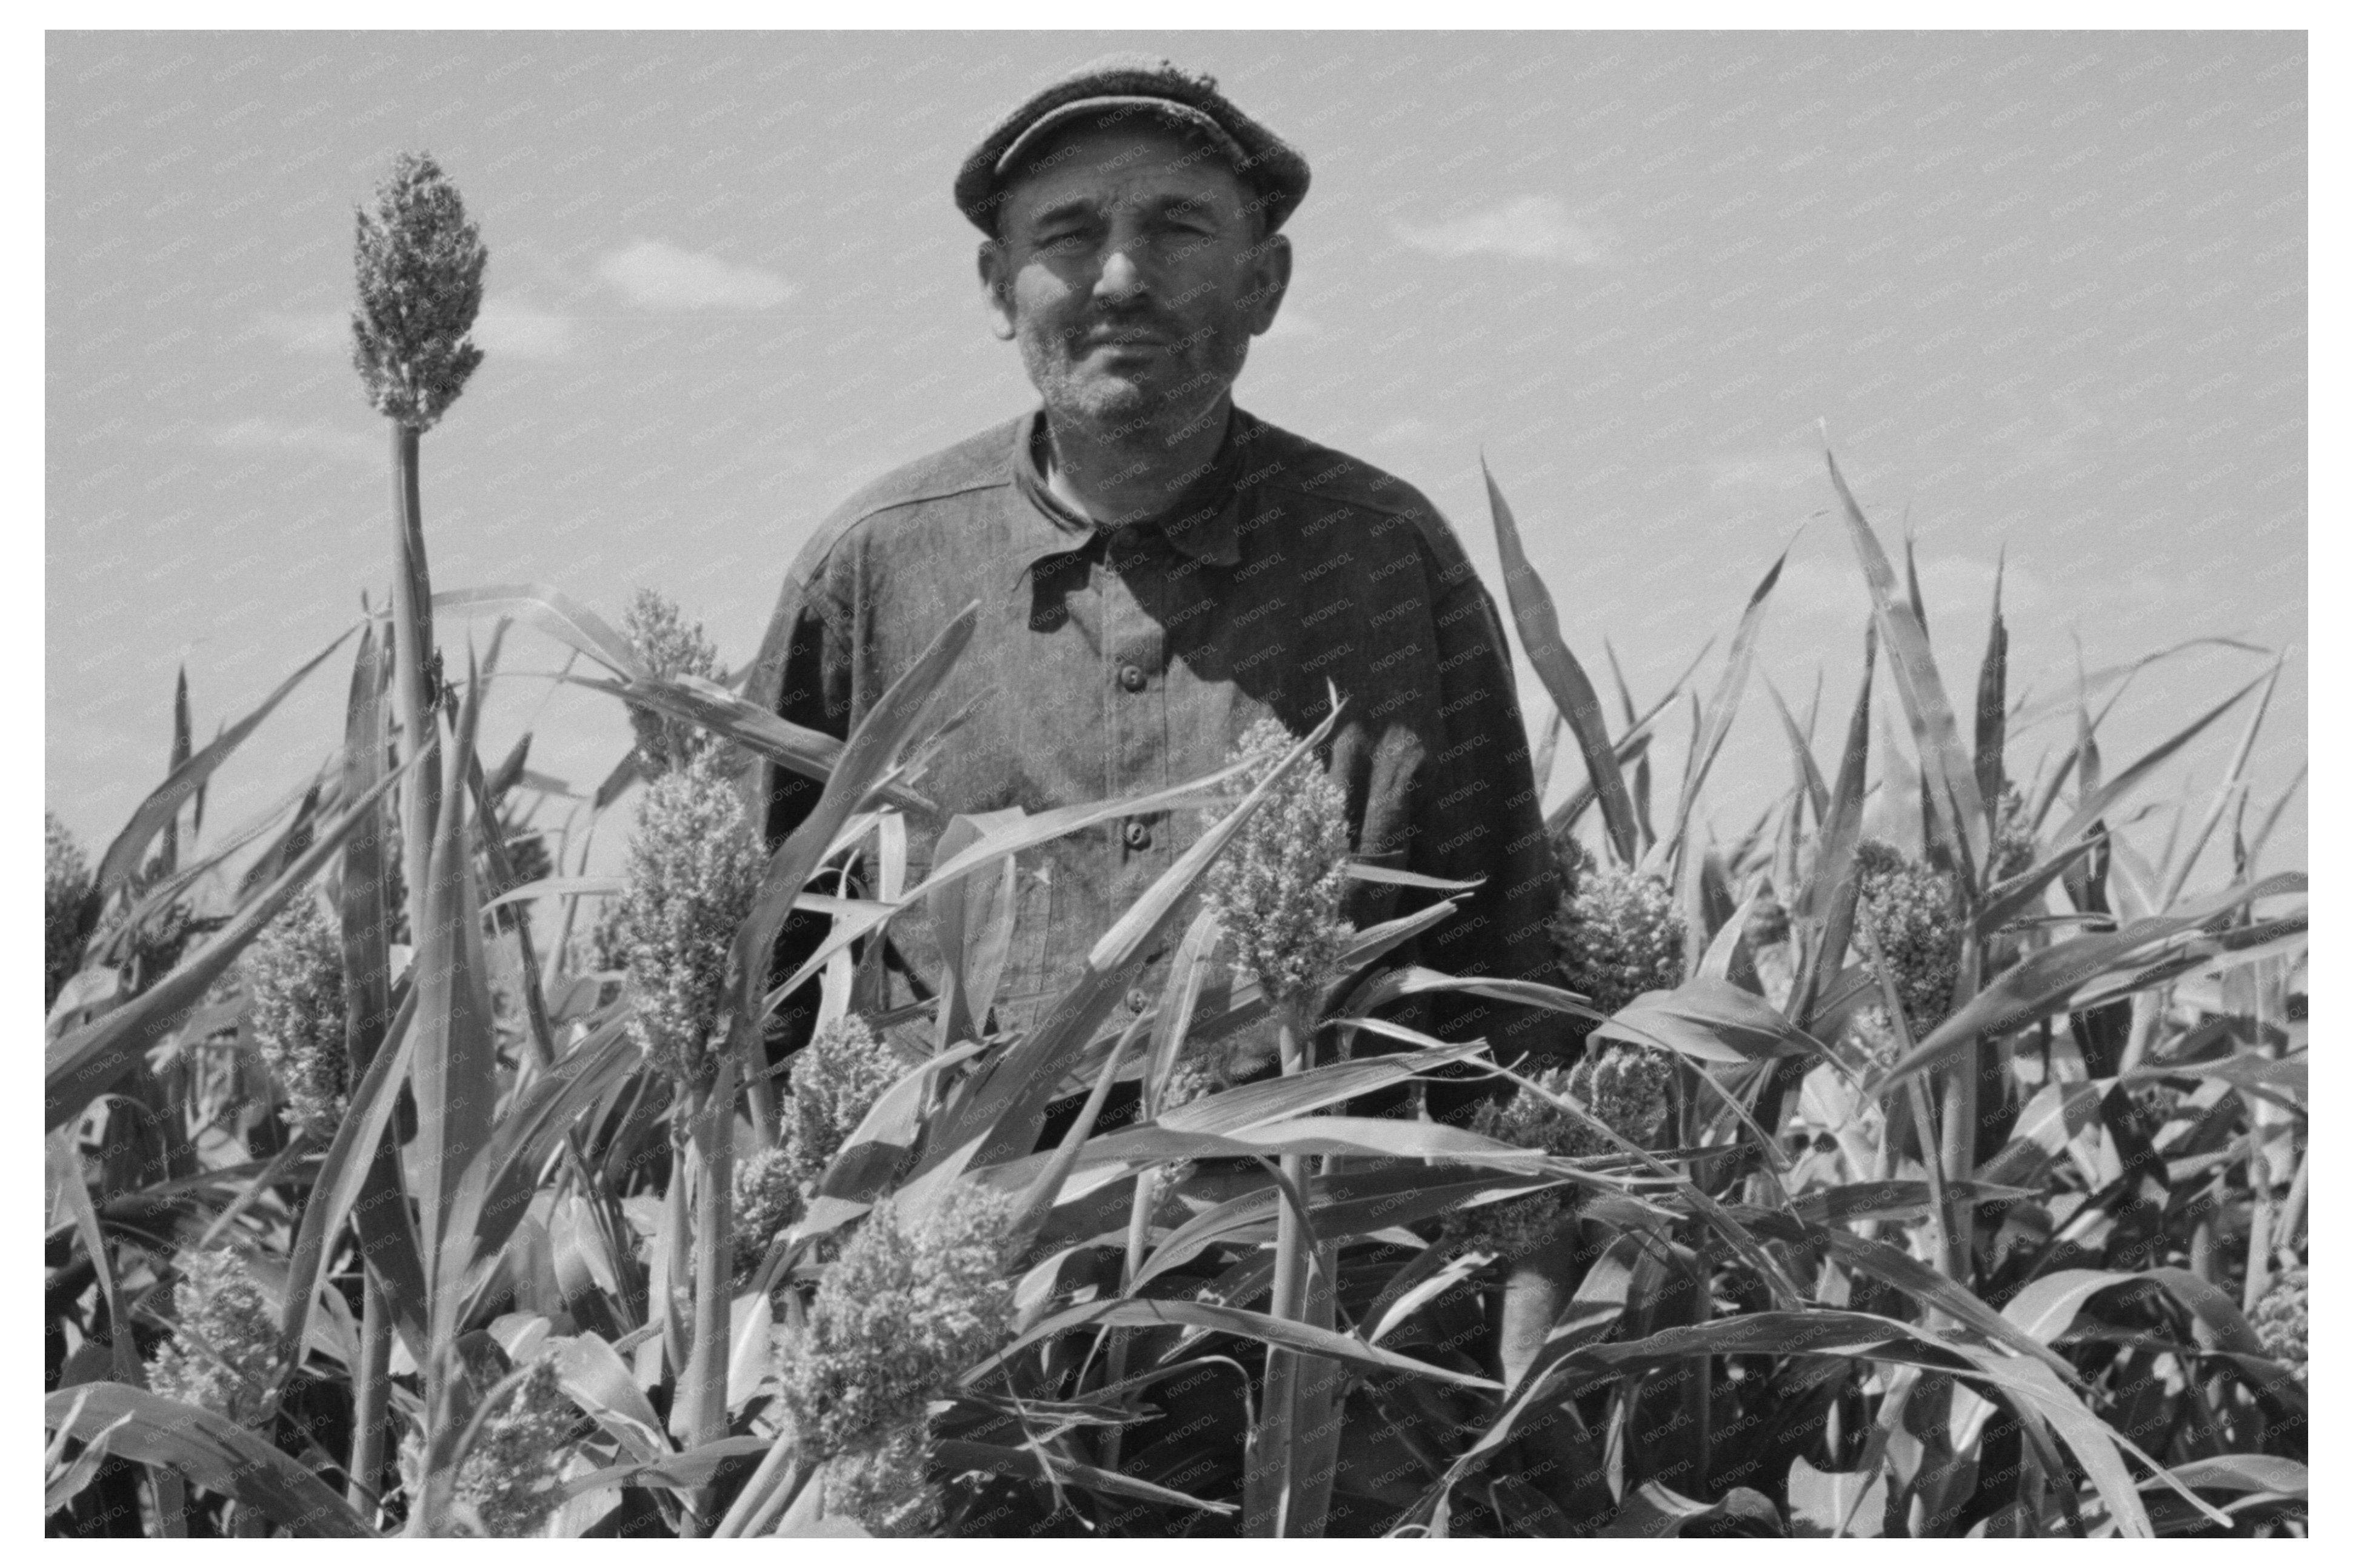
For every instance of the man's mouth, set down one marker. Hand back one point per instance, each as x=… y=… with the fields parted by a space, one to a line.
x=1126 y=337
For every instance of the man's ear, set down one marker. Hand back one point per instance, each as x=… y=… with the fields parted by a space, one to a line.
x=997 y=287
x=1270 y=280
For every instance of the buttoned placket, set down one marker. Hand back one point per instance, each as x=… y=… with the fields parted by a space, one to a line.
x=1136 y=689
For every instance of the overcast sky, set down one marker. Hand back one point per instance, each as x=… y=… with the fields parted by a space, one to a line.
x=2047 y=293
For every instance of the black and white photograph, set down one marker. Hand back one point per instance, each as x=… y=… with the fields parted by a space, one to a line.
x=1293 y=783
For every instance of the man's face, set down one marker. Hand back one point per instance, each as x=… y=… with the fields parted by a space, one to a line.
x=1129 y=271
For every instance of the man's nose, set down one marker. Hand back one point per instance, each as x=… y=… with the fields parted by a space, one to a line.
x=1121 y=277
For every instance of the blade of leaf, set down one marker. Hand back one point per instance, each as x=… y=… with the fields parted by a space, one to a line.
x=1944 y=763
x=162 y=806
x=1572 y=694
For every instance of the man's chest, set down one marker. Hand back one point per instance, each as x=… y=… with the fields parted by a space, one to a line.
x=1128 y=665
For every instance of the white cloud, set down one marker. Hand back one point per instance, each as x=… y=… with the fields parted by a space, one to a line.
x=525 y=332
x=261 y=435
x=659 y=276
x=1533 y=228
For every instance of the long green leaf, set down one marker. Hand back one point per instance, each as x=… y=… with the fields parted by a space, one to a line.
x=209 y=1450
x=1827 y=905
x=496 y=1189
x=1723 y=704
x=1037 y=1462
x=1572 y=693
x=553 y=611
x=1993 y=680
x=1125 y=1313
x=2103 y=798
x=163 y=806
x=455 y=1074
x=342 y=1175
x=1709 y=1021
x=1944 y=763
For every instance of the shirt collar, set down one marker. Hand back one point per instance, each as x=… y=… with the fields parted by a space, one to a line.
x=1203 y=524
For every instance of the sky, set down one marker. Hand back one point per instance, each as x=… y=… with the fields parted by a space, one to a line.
x=2044 y=294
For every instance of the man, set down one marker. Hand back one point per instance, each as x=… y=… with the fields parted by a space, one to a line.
x=1156 y=568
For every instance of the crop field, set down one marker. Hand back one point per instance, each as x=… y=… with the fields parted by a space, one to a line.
x=1936 y=1161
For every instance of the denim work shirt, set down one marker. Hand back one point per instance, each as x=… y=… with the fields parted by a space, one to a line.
x=1110 y=661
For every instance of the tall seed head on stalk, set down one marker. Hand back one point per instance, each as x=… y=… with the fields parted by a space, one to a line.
x=904 y=1310
x=222 y=1353
x=695 y=866
x=1278 y=888
x=1617 y=930
x=1624 y=1087
x=65 y=883
x=419 y=263
x=294 y=977
x=834 y=1080
x=670 y=645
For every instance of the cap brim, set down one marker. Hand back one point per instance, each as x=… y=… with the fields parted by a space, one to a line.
x=1183 y=114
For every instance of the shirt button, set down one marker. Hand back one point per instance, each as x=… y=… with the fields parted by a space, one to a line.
x=1138 y=999
x=1138 y=836
x=1131 y=676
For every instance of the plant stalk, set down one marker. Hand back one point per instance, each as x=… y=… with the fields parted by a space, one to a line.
x=704 y=1389
x=412 y=611
x=371 y=1394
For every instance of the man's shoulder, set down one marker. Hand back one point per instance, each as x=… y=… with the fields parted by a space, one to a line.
x=1327 y=480
x=978 y=463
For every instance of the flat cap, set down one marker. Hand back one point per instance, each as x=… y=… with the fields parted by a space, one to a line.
x=1136 y=83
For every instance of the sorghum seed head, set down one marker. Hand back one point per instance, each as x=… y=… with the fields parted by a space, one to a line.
x=906 y=1309
x=768 y=1199
x=669 y=646
x=507 y=1477
x=222 y=1353
x=834 y=1080
x=419 y=263
x=1279 y=887
x=294 y=979
x=2283 y=1318
x=1916 y=918
x=1617 y=932
x=695 y=866
x=1624 y=1087
x=882 y=1484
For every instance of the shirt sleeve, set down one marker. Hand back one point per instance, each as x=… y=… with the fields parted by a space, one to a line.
x=1480 y=816
x=801 y=674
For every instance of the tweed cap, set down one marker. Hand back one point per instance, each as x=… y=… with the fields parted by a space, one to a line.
x=1136 y=83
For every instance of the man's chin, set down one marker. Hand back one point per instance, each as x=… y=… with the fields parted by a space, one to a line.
x=1107 y=400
